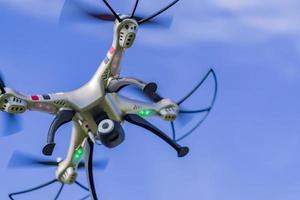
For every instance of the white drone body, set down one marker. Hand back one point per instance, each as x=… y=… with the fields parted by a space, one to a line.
x=97 y=110
x=87 y=104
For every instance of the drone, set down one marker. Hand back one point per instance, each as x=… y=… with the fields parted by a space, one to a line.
x=98 y=111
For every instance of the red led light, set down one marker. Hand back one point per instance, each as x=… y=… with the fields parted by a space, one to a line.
x=112 y=50
x=35 y=98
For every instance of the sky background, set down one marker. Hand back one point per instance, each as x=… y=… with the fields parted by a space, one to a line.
x=247 y=149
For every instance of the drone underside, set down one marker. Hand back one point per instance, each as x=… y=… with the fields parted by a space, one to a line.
x=98 y=111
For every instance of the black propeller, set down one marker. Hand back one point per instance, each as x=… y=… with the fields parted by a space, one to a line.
x=75 y=10
x=25 y=160
x=10 y=123
x=2 y=85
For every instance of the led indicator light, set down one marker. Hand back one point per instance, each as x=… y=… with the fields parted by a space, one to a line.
x=78 y=154
x=112 y=50
x=145 y=113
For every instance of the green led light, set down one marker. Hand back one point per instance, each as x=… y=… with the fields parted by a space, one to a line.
x=78 y=154
x=80 y=151
x=145 y=112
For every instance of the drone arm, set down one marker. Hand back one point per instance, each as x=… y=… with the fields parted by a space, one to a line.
x=134 y=111
x=165 y=108
x=15 y=102
x=66 y=171
x=48 y=103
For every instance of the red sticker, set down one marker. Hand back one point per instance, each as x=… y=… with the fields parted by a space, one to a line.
x=35 y=98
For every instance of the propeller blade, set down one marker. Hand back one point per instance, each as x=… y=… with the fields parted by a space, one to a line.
x=78 y=11
x=98 y=164
x=161 y=22
x=11 y=124
x=184 y=119
x=25 y=160
x=186 y=116
x=205 y=111
x=74 y=11
x=2 y=85
x=102 y=16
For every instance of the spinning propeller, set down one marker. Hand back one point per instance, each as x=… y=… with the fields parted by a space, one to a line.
x=2 y=85
x=10 y=123
x=91 y=13
x=23 y=160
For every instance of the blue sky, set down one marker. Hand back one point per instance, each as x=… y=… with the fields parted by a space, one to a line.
x=248 y=147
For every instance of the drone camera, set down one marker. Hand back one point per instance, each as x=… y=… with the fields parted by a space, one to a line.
x=110 y=133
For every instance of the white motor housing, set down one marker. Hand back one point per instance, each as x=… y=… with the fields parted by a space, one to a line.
x=13 y=105
x=127 y=35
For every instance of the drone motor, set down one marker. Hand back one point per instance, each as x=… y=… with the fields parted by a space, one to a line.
x=127 y=33
x=14 y=105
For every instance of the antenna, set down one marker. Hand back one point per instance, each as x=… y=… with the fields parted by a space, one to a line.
x=157 y=13
x=134 y=8
x=112 y=10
